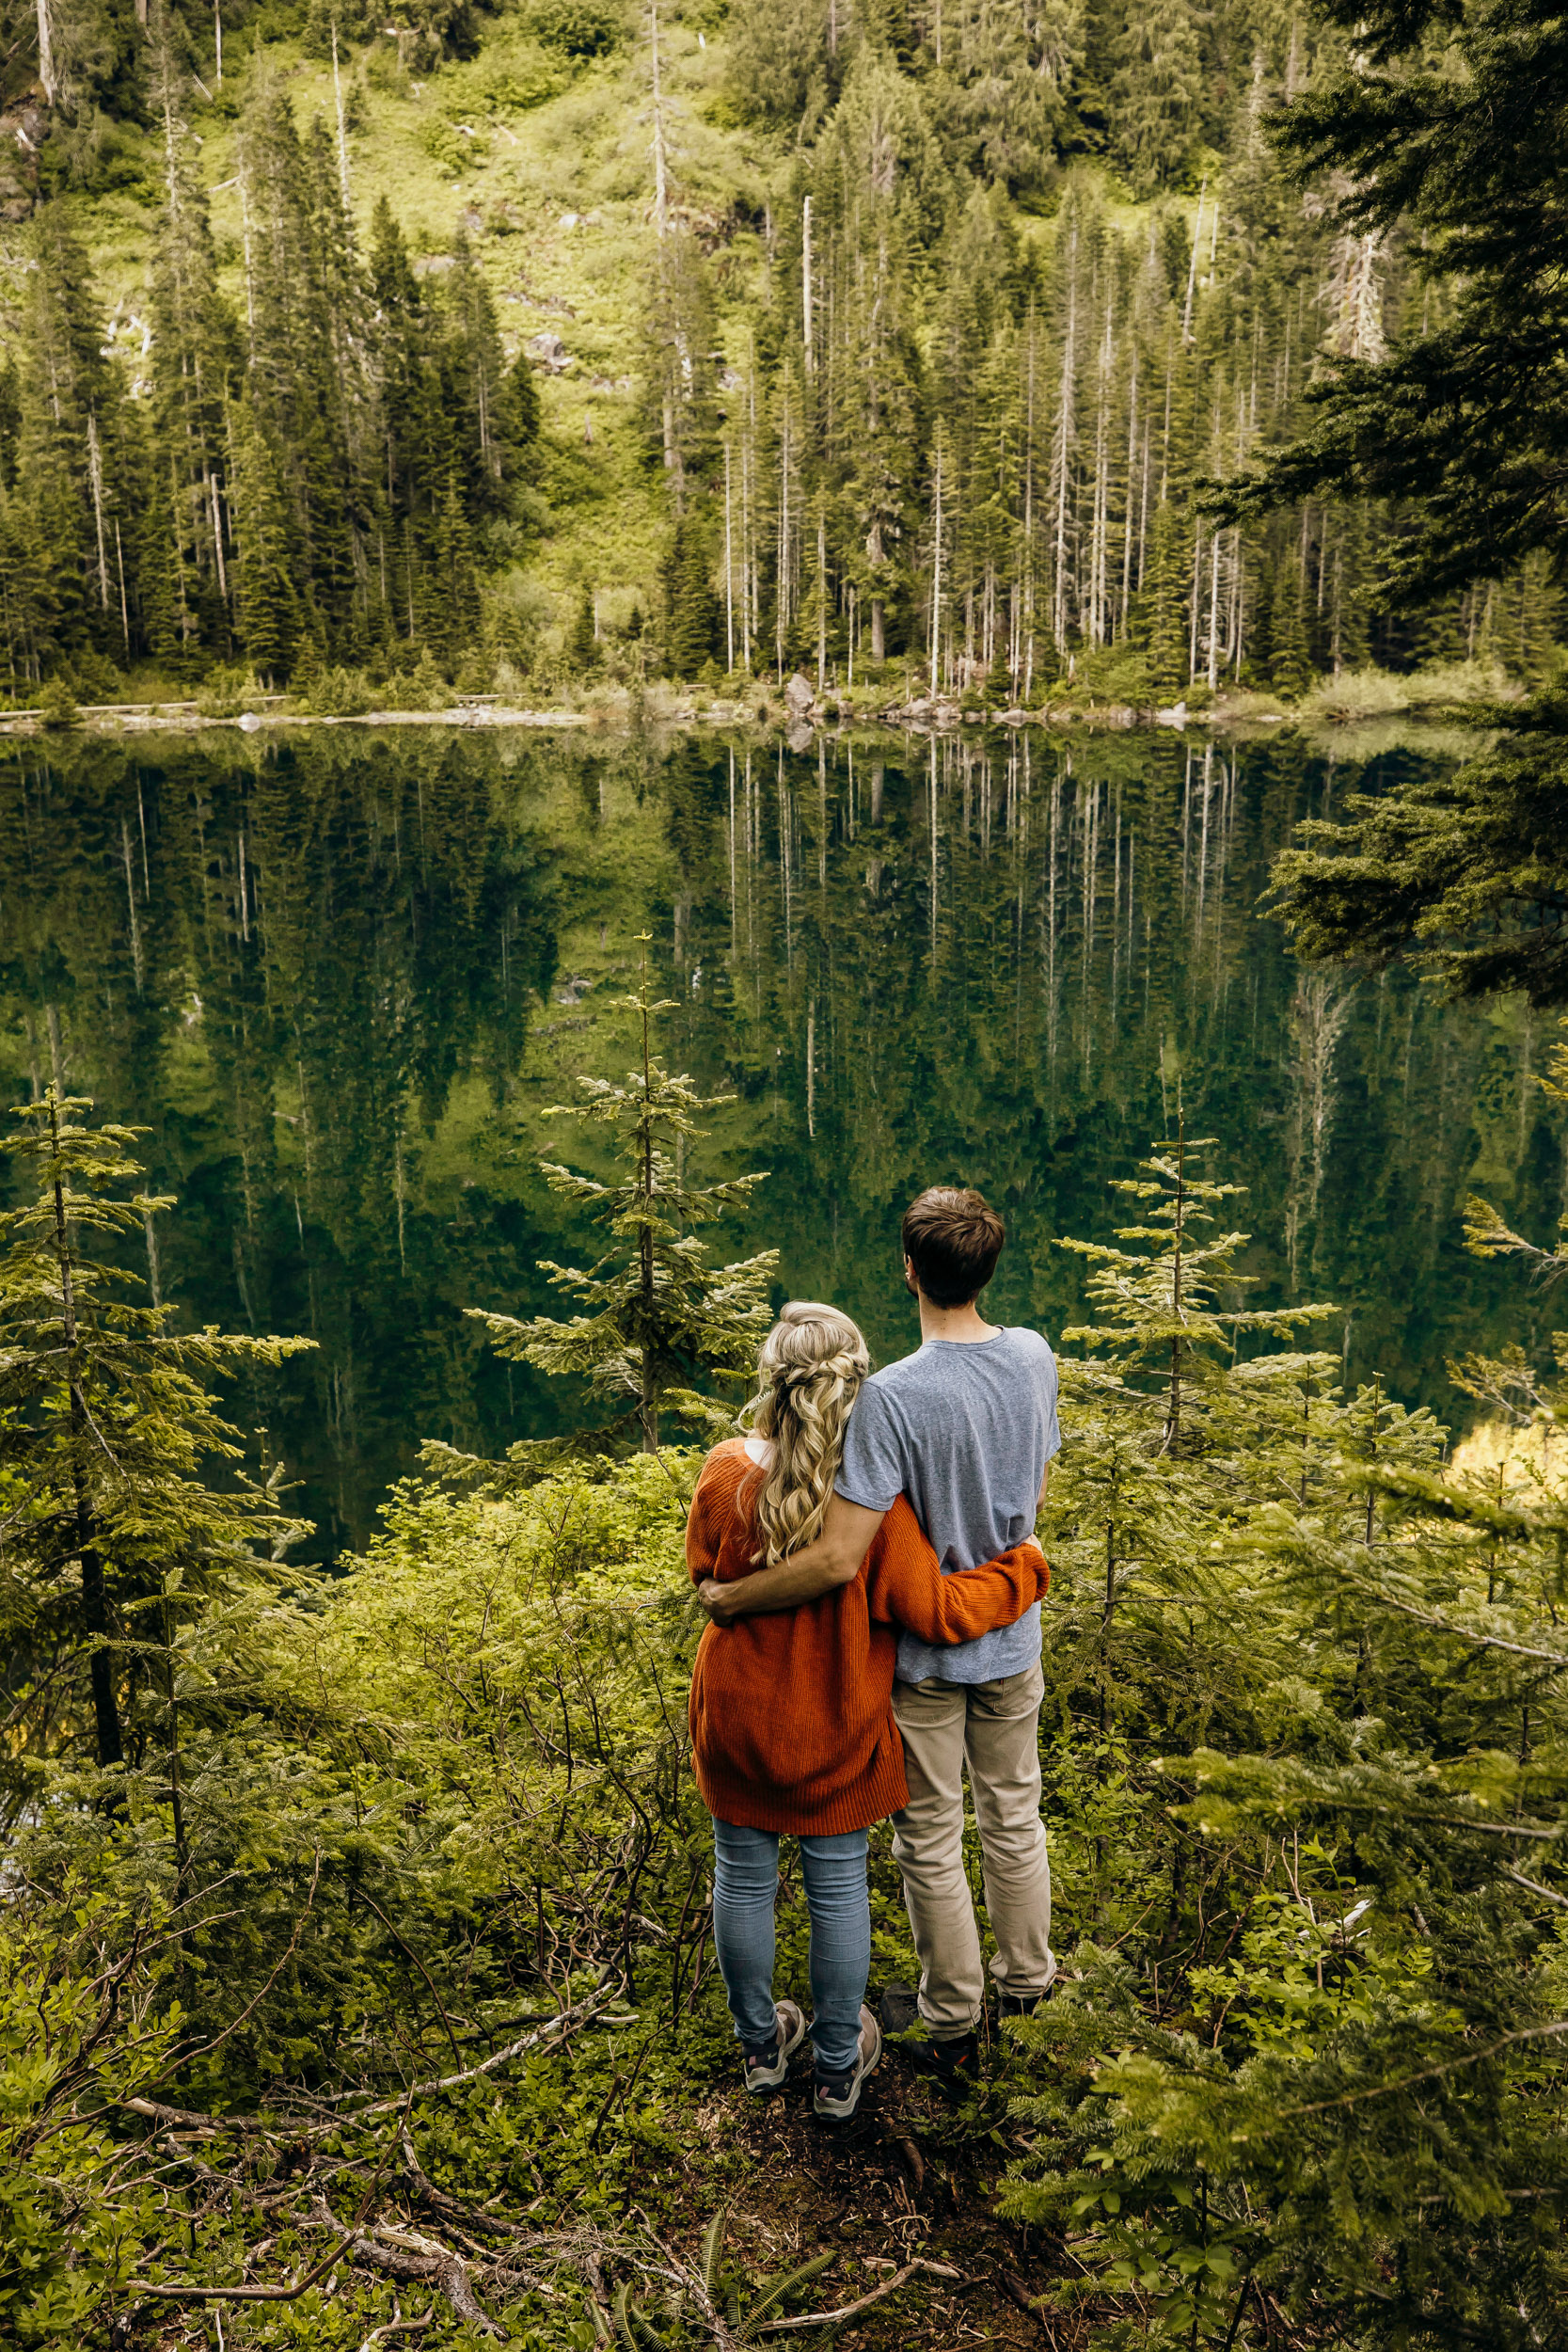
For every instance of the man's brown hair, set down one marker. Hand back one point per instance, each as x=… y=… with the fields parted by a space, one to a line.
x=953 y=1239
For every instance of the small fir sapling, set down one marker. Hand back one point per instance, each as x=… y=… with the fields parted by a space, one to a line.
x=658 y=1316
x=116 y=1538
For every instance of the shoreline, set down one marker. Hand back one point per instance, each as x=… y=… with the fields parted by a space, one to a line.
x=800 y=725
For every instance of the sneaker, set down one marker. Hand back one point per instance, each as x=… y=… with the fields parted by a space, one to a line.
x=837 y=2096
x=1025 y=2004
x=766 y=2069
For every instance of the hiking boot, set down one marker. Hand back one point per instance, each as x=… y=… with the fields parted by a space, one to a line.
x=899 y=2008
x=837 y=2096
x=766 y=2068
x=955 y=2060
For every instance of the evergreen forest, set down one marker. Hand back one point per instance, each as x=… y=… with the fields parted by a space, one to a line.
x=410 y=1135
x=910 y=344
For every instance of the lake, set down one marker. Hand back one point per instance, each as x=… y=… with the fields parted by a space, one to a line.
x=341 y=975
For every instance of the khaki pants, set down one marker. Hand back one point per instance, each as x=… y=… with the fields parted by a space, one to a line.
x=993 y=1728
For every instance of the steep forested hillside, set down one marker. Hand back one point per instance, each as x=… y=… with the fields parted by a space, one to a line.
x=574 y=336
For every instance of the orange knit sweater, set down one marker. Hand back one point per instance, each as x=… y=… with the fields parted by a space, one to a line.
x=792 y=1723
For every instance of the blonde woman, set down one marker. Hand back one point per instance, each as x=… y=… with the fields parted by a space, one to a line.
x=792 y=1728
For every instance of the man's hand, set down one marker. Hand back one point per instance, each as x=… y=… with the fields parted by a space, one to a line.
x=719 y=1599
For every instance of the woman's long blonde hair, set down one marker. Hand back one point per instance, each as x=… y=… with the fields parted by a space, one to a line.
x=809 y=1373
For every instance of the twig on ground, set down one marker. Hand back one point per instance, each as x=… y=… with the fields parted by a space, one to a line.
x=409 y=2254
x=850 y=2311
x=554 y=2028
x=397 y=2326
x=1013 y=2288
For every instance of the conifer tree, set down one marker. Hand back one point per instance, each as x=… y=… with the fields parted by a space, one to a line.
x=1169 y=572
x=1488 y=1234
x=305 y=381
x=489 y=432
x=270 y=615
x=1157 y=1307
x=1013 y=71
x=1464 y=874
x=784 y=61
x=1455 y=422
x=1457 y=417
x=659 y=1317
x=1289 y=659
x=116 y=1538
x=1154 y=93
x=187 y=534
x=691 y=606
x=66 y=399
x=582 y=648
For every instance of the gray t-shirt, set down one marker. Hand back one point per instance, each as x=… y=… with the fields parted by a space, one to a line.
x=965 y=1429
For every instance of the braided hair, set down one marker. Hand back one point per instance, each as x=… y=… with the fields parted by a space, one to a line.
x=809 y=1371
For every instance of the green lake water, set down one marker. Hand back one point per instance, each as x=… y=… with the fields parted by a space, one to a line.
x=339 y=978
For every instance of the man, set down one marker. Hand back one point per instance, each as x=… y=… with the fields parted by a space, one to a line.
x=967 y=1428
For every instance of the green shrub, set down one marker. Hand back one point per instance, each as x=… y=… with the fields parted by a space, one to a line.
x=578 y=28
x=511 y=84
x=66 y=2244
x=425 y=690
x=225 y=691
x=56 y=705
x=456 y=150
x=96 y=679
x=339 y=693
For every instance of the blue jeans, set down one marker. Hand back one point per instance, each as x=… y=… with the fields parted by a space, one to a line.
x=745 y=1887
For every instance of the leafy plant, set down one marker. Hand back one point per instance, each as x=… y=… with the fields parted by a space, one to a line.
x=578 y=28
x=339 y=693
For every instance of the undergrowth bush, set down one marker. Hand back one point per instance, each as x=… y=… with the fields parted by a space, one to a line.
x=338 y=694
x=421 y=689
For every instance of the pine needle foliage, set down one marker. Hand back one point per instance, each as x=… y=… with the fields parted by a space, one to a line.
x=1443 y=125
x=658 y=1316
x=440 y=1902
x=1161 y=1302
x=1448 y=121
x=112 y=1539
x=1464 y=874
x=1487 y=1235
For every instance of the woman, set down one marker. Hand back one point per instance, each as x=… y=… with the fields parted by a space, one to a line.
x=792 y=1726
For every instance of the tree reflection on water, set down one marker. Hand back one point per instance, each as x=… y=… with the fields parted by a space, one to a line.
x=339 y=976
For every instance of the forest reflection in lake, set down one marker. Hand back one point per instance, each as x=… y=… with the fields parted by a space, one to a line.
x=339 y=976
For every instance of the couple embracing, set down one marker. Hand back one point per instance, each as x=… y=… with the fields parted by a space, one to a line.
x=865 y=1557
